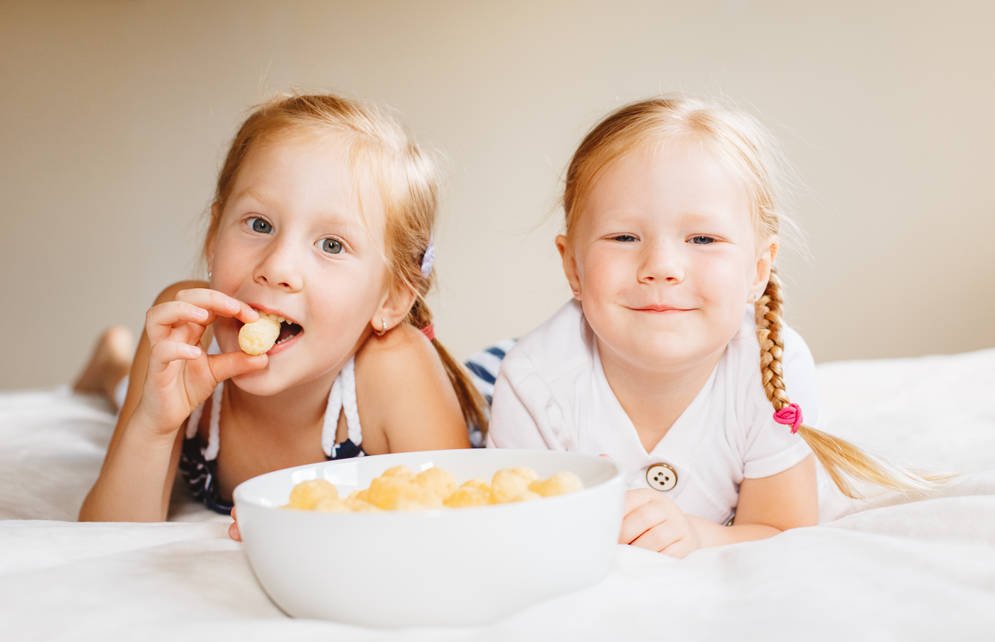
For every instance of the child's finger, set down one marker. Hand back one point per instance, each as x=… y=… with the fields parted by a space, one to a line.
x=636 y=498
x=160 y=319
x=165 y=352
x=219 y=303
x=233 y=531
x=678 y=548
x=194 y=333
x=232 y=364
x=639 y=521
x=660 y=538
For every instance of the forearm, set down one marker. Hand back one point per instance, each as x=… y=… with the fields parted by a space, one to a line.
x=712 y=534
x=135 y=478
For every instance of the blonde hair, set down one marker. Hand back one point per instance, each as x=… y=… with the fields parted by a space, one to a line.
x=750 y=152
x=383 y=156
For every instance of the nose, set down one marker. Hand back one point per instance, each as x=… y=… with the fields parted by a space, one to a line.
x=279 y=268
x=661 y=263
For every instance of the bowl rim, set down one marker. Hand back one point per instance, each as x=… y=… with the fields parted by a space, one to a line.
x=239 y=493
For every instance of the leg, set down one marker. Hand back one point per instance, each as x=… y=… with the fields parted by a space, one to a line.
x=108 y=364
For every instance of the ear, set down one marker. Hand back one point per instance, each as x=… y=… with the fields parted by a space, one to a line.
x=569 y=264
x=394 y=306
x=764 y=266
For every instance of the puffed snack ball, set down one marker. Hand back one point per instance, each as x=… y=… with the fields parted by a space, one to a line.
x=559 y=484
x=436 y=481
x=398 y=488
x=307 y=494
x=354 y=504
x=259 y=336
x=400 y=493
x=512 y=485
x=398 y=471
x=331 y=505
x=471 y=493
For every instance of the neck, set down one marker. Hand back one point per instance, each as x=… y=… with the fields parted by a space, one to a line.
x=654 y=398
x=287 y=412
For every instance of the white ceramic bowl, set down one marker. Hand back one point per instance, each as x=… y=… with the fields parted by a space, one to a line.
x=438 y=567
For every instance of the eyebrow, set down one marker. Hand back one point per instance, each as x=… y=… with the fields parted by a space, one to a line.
x=329 y=216
x=628 y=215
x=696 y=216
x=250 y=193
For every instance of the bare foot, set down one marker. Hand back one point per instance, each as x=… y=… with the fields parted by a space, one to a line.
x=109 y=363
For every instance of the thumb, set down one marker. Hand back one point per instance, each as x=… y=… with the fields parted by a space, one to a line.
x=232 y=364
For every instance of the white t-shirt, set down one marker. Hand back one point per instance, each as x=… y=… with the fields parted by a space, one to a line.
x=552 y=394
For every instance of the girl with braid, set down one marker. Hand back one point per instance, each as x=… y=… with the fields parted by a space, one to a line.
x=323 y=217
x=672 y=358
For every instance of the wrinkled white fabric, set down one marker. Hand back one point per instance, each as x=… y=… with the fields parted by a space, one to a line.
x=888 y=569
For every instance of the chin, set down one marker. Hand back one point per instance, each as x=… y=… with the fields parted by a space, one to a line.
x=261 y=383
x=667 y=352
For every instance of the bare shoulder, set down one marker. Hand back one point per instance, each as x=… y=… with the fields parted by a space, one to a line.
x=397 y=354
x=406 y=397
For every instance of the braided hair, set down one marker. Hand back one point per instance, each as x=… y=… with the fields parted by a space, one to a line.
x=750 y=152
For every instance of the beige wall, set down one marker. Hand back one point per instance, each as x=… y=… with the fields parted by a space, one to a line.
x=115 y=115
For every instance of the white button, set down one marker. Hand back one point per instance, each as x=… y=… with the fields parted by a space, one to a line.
x=661 y=476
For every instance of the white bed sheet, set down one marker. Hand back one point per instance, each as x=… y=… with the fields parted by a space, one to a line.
x=883 y=569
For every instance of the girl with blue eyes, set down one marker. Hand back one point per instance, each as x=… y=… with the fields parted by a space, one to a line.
x=323 y=216
x=672 y=357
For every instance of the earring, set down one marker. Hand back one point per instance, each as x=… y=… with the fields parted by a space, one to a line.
x=383 y=327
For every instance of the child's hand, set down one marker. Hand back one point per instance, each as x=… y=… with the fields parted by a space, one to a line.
x=654 y=521
x=180 y=374
x=233 y=531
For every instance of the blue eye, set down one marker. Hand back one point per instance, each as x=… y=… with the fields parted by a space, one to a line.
x=331 y=246
x=625 y=238
x=702 y=240
x=260 y=225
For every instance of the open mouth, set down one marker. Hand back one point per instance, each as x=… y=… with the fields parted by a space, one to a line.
x=288 y=330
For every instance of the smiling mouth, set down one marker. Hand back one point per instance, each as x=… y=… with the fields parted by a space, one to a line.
x=660 y=308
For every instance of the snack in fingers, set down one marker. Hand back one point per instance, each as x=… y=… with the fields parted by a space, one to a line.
x=259 y=336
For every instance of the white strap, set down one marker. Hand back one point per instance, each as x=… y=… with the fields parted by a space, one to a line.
x=349 y=403
x=194 y=421
x=214 y=436
x=342 y=398
x=332 y=409
x=213 y=441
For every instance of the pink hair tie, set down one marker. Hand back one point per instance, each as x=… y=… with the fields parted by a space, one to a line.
x=790 y=415
x=429 y=331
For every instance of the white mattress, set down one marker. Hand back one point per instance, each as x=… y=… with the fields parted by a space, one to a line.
x=885 y=569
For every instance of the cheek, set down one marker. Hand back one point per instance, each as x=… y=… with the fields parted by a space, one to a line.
x=604 y=272
x=354 y=289
x=723 y=279
x=231 y=259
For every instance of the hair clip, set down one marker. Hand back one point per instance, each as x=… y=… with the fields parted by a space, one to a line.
x=429 y=331
x=428 y=258
x=790 y=415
